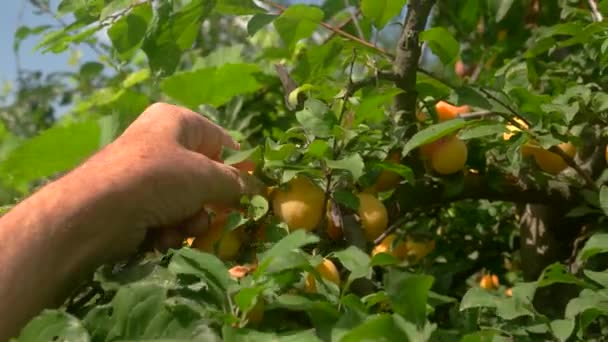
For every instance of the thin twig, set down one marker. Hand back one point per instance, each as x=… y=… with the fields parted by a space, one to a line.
x=595 y=13
x=393 y=227
x=355 y=20
x=337 y=31
x=45 y=9
x=336 y=147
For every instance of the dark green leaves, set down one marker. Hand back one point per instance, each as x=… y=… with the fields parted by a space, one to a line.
x=353 y=164
x=128 y=32
x=408 y=293
x=442 y=43
x=381 y=11
x=38 y=157
x=214 y=86
x=54 y=325
x=316 y=118
x=297 y=22
x=172 y=33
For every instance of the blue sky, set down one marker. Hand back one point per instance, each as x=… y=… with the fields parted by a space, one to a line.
x=16 y=13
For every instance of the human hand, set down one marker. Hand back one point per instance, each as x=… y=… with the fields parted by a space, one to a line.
x=159 y=174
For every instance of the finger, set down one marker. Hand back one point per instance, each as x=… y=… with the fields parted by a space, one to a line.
x=188 y=128
x=169 y=238
x=221 y=184
x=197 y=225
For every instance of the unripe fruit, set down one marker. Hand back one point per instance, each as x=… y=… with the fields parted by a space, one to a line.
x=373 y=215
x=449 y=156
x=398 y=250
x=215 y=240
x=446 y=111
x=551 y=162
x=327 y=270
x=300 y=206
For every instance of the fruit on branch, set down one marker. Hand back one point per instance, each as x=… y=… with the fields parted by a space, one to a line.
x=427 y=150
x=449 y=156
x=462 y=70
x=300 y=206
x=606 y=154
x=373 y=216
x=388 y=245
x=446 y=111
x=509 y=292
x=489 y=282
x=513 y=129
x=552 y=162
x=387 y=179
x=417 y=250
x=216 y=240
x=327 y=270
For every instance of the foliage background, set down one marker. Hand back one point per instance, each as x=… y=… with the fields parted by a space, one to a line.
x=543 y=235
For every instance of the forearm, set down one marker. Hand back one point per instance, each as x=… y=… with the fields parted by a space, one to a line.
x=47 y=243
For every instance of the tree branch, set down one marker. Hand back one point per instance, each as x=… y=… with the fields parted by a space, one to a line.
x=407 y=55
x=336 y=30
x=426 y=193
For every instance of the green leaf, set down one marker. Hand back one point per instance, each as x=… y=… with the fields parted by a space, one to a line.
x=381 y=11
x=139 y=312
x=246 y=298
x=503 y=9
x=258 y=21
x=482 y=129
x=202 y=265
x=214 y=86
x=376 y=328
x=557 y=273
x=37 y=157
x=232 y=157
x=237 y=7
x=587 y=300
x=597 y=244
x=231 y=334
x=297 y=22
x=477 y=297
x=258 y=207
x=408 y=293
x=114 y=7
x=562 y=328
x=598 y=277
x=433 y=133
x=54 y=325
x=346 y=198
x=23 y=32
x=285 y=246
x=473 y=97
x=442 y=43
x=604 y=199
x=356 y=261
x=372 y=106
x=316 y=118
x=352 y=163
x=173 y=33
